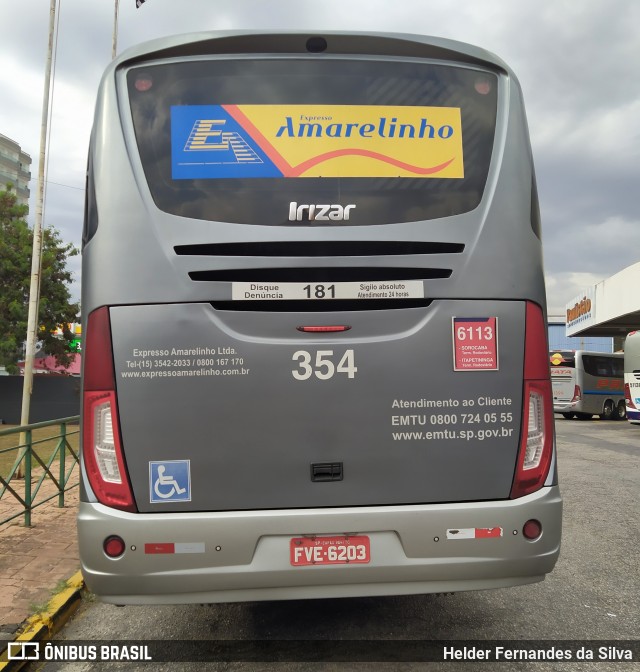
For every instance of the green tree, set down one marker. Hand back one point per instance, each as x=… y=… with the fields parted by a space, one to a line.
x=56 y=309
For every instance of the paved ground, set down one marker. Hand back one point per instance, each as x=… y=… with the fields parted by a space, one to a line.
x=34 y=561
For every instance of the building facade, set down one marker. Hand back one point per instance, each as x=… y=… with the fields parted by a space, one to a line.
x=609 y=308
x=15 y=168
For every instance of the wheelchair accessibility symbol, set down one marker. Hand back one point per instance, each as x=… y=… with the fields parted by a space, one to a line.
x=170 y=481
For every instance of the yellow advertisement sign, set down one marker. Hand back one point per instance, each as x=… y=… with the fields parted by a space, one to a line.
x=348 y=140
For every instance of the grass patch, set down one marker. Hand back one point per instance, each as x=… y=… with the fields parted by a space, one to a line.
x=45 y=441
x=60 y=586
x=88 y=596
x=37 y=608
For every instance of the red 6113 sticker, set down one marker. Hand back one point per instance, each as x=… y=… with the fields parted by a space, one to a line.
x=475 y=343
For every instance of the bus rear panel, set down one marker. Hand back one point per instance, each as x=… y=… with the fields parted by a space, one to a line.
x=315 y=359
x=632 y=376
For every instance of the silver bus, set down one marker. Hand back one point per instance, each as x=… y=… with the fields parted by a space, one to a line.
x=587 y=384
x=632 y=376
x=316 y=359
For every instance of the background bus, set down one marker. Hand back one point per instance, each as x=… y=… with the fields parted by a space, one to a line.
x=632 y=376
x=587 y=384
x=316 y=359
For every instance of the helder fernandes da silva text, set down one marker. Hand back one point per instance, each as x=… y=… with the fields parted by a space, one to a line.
x=583 y=652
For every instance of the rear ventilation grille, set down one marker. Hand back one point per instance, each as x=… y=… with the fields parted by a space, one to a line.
x=347 y=248
x=336 y=274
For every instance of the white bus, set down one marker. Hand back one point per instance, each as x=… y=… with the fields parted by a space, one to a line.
x=316 y=359
x=632 y=376
x=587 y=384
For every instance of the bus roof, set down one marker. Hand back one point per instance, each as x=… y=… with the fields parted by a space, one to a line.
x=288 y=42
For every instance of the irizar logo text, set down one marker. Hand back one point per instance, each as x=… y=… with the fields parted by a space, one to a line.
x=312 y=212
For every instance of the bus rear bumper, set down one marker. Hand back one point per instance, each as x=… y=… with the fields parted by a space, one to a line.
x=565 y=408
x=633 y=416
x=179 y=558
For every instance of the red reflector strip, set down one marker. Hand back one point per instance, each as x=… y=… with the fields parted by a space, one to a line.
x=159 y=548
x=488 y=532
x=475 y=533
x=171 y=548
x=322 y=329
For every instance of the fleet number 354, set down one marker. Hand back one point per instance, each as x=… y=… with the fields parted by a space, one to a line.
x=323 y=367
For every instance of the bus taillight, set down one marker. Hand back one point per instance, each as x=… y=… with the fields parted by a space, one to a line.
x=577 y=394
x=101 y=449
x=536 y=443
x=628 y=398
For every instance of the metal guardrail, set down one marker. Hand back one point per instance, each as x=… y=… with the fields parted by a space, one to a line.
x=27 y=457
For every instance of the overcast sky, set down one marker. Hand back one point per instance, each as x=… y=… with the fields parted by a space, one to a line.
x=578 y=62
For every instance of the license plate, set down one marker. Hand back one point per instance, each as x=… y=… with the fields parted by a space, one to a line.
x=338 y=550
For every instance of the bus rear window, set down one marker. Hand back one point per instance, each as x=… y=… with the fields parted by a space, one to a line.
x=256 y=141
